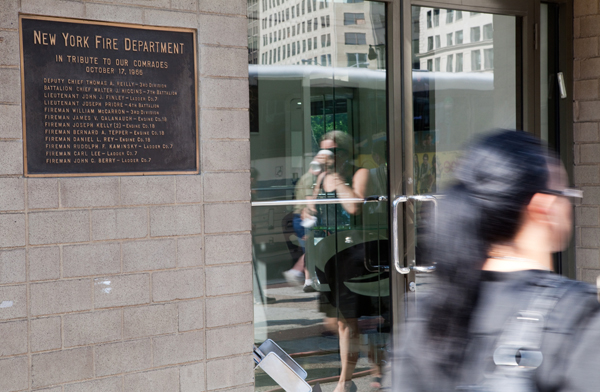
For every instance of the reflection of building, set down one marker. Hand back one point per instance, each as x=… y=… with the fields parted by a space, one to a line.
x=253 y=31
x=320 y=32
x=455 y=41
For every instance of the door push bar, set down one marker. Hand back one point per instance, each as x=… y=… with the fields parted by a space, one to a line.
x=396 y=241
x=282 y=368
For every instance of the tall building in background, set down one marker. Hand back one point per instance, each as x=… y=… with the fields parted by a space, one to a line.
x=455 y=41
x=319 y=32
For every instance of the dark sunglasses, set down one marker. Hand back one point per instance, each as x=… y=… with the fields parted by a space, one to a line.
x=567 y=192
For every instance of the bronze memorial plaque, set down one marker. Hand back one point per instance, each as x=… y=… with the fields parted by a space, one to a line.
x=107 y=98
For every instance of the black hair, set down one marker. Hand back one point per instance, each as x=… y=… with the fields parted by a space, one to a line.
x=496 y=179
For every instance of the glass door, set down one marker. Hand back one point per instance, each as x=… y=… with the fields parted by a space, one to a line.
x=467 y=70
x=320 y=193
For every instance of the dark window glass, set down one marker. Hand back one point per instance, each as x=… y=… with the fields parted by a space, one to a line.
x=355 y=39
x=488 y=58
x=351 y=18
x=459 y=37
x=488 y=31
x=358 y=60
x=475 y=34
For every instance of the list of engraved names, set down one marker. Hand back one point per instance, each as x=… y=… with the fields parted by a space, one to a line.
x=99 y=121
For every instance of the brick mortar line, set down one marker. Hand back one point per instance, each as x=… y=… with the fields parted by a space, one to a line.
x=221 y=77
x=91 y=242
x=223 y=108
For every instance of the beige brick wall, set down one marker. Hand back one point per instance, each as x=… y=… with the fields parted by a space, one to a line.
x=586 y=112
x=131 y=283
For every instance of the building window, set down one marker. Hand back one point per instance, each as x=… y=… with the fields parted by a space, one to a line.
x=438 y=41
x=449 y=61
x=437 y=64
x=303 y=45
x=323 y=60
x=430 y=65
x=350 y=1
x=287 y=14
x=459 y=62
x=288 y=32
x=293 y=31
x=323 y=40
x=315 y=43
x=358 y=60
x=474 y=14
x=303 y=6
x=278 y=54
x=449 y=39
x=323 y=22
x=327 y=20
x=429 y=43
x=429 y=23
x=488 y=58
x=328 y=39
x=293 y=49
x=449 y=16
x=288 y=50
x=309 y=43
x=293 y=12
x=351 y=18
x=309 y=6
x=459 y=37
x=328 y=59
x=303 y=27
x=488 y=31
x=309 y=25
x=458 y=15
x=475 y=34
x=436 y=18
x=475 y=60
x=321 y=4
x=316 y=23
x=270 y=38
x=355 y=38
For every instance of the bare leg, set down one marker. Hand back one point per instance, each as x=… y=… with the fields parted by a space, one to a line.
x=299 y=266
x=348 y=335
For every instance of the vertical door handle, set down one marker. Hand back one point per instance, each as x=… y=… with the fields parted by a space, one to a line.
x=395 y=239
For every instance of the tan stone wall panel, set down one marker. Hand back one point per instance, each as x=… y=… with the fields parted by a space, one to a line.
x=13 y=266
x=61 y=366
x=103 y=282
x=123 y=357
x=61 y=296
x=18 y=368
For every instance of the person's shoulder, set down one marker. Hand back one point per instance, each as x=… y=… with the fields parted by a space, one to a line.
x=578 y=303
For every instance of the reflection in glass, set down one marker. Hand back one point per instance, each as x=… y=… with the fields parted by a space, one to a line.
x=459 y=90
x=318 y=120
x=472 y=96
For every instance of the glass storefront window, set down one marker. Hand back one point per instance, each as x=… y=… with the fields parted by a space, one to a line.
x=318 y=118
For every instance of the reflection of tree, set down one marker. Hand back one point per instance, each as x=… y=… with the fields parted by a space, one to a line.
x=320 y=127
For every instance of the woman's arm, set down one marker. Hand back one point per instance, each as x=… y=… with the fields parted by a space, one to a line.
x=358 y=189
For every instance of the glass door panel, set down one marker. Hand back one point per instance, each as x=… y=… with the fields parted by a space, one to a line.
x=465 y=83
x=318 y=110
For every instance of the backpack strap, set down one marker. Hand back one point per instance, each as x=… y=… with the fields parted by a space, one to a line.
x=518 y=352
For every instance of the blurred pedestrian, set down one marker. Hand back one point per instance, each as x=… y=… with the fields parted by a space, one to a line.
x=498 y=318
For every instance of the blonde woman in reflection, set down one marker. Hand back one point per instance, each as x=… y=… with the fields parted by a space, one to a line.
x=340 y=179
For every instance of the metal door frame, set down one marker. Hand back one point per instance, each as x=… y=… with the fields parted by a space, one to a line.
x=400 y=121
